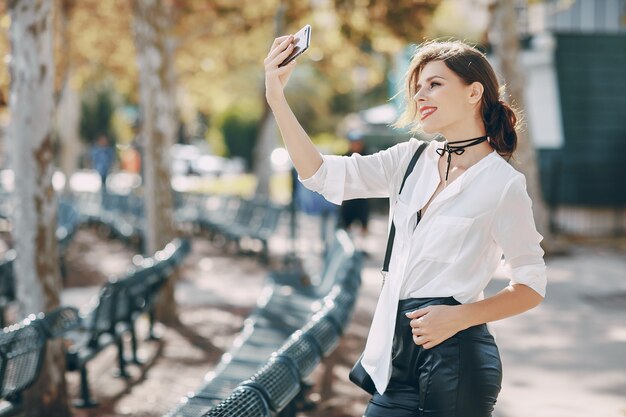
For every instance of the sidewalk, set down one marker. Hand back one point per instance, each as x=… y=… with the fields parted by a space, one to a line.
x=566 y=358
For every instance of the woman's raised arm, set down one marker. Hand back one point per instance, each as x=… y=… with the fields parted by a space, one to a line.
x=305 y=157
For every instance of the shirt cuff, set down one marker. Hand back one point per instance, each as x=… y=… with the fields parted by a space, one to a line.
x=533 y=276
x=329 y=179
x=316 y=181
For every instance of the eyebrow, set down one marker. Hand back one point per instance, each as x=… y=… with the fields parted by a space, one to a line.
x=428 y=79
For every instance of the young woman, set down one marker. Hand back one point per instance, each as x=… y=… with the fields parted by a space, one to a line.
x=429 y=351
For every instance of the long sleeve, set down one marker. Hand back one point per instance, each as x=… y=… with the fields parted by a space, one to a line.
x=347 y=177
x=514 y=231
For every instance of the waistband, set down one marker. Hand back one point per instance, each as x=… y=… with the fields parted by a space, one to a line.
x=415 y=303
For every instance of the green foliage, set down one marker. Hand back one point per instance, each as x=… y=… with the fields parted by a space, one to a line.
x=240 y=126
x=330 y=143
x=215 y=139
x=97 y=109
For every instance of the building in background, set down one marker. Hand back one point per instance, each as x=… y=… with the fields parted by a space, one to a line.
x=574 y=58
x=575 y=62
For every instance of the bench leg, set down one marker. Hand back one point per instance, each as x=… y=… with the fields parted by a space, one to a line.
x=289 y=411
x=152 y=335
x=121 y=372
x=63 y=268
x=301 y=401
x=265 y=253
x=133 y=345
x=85 y=400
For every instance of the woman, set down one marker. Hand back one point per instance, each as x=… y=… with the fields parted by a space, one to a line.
x=429 y=351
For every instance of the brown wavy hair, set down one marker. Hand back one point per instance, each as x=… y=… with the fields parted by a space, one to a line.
x=470 y=65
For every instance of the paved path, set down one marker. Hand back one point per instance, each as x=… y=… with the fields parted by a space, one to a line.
x=566 y=358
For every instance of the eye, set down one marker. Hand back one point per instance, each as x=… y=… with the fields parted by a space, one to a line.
x=433 y=84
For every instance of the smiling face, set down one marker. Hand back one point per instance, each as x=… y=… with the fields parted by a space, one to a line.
x=444 y=102
x=452 y=89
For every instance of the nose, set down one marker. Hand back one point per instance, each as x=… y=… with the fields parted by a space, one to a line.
x=419 y=95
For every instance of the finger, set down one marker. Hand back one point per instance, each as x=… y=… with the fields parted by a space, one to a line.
x=282 y=56
x=418 y=331
x=429 y=345
x=417 y=313
x=279 y=53
x=417 y=322
x=279 y=40
x=420 y=340
x=280 y=47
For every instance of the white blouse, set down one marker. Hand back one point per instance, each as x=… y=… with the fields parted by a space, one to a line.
x=457 y=245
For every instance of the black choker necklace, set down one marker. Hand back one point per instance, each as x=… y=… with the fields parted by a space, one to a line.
x=454 y=147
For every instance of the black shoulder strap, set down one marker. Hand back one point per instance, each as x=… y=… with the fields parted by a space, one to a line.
x=392 y=232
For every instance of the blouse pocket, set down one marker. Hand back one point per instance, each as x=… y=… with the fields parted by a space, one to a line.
x=445 y=238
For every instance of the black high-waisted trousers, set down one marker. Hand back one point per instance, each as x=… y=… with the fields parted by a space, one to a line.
x=460 y=377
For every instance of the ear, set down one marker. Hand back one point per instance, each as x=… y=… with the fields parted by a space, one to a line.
x=476 y=90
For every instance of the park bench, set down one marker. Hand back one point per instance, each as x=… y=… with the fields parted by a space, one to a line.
x=123 y=215
x=22 y=350
x=243 y=216
x=278 y=347
x=290 y=292
x=7 y=286
x=188 y=206
x=225 y=212
x=97 y=329
x=144 y=284
x=232 y=218
x=117 y=215
x=6 y=205
x=272 y=389
x=114 y=312
x=67 y=222
x=260 y=226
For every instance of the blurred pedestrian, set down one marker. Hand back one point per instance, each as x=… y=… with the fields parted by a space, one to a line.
x=454 y=212
x=355 y=210
x=102 y=157
x=130 y=158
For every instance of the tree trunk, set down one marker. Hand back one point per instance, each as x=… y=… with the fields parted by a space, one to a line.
x=67 y=101
x=67 y=128
x=37 y=277
x=267 y=138
x=265 y=144
x=155 y=57
x=504 y=39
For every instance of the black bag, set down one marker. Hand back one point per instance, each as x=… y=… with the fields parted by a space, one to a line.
x=360 y=377
x=358 y=374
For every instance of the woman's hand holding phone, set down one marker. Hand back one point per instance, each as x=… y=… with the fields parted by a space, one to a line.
x=306 y=158
x=276 y=77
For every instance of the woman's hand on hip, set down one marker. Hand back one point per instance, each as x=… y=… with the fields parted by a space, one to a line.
x=276 y=77
x=434 y=324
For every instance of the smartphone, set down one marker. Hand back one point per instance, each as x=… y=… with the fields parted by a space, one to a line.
x=302 y=40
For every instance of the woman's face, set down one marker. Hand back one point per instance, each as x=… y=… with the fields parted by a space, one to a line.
x=444 y=102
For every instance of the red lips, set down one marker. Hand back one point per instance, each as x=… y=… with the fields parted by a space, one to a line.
x=427 y=111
